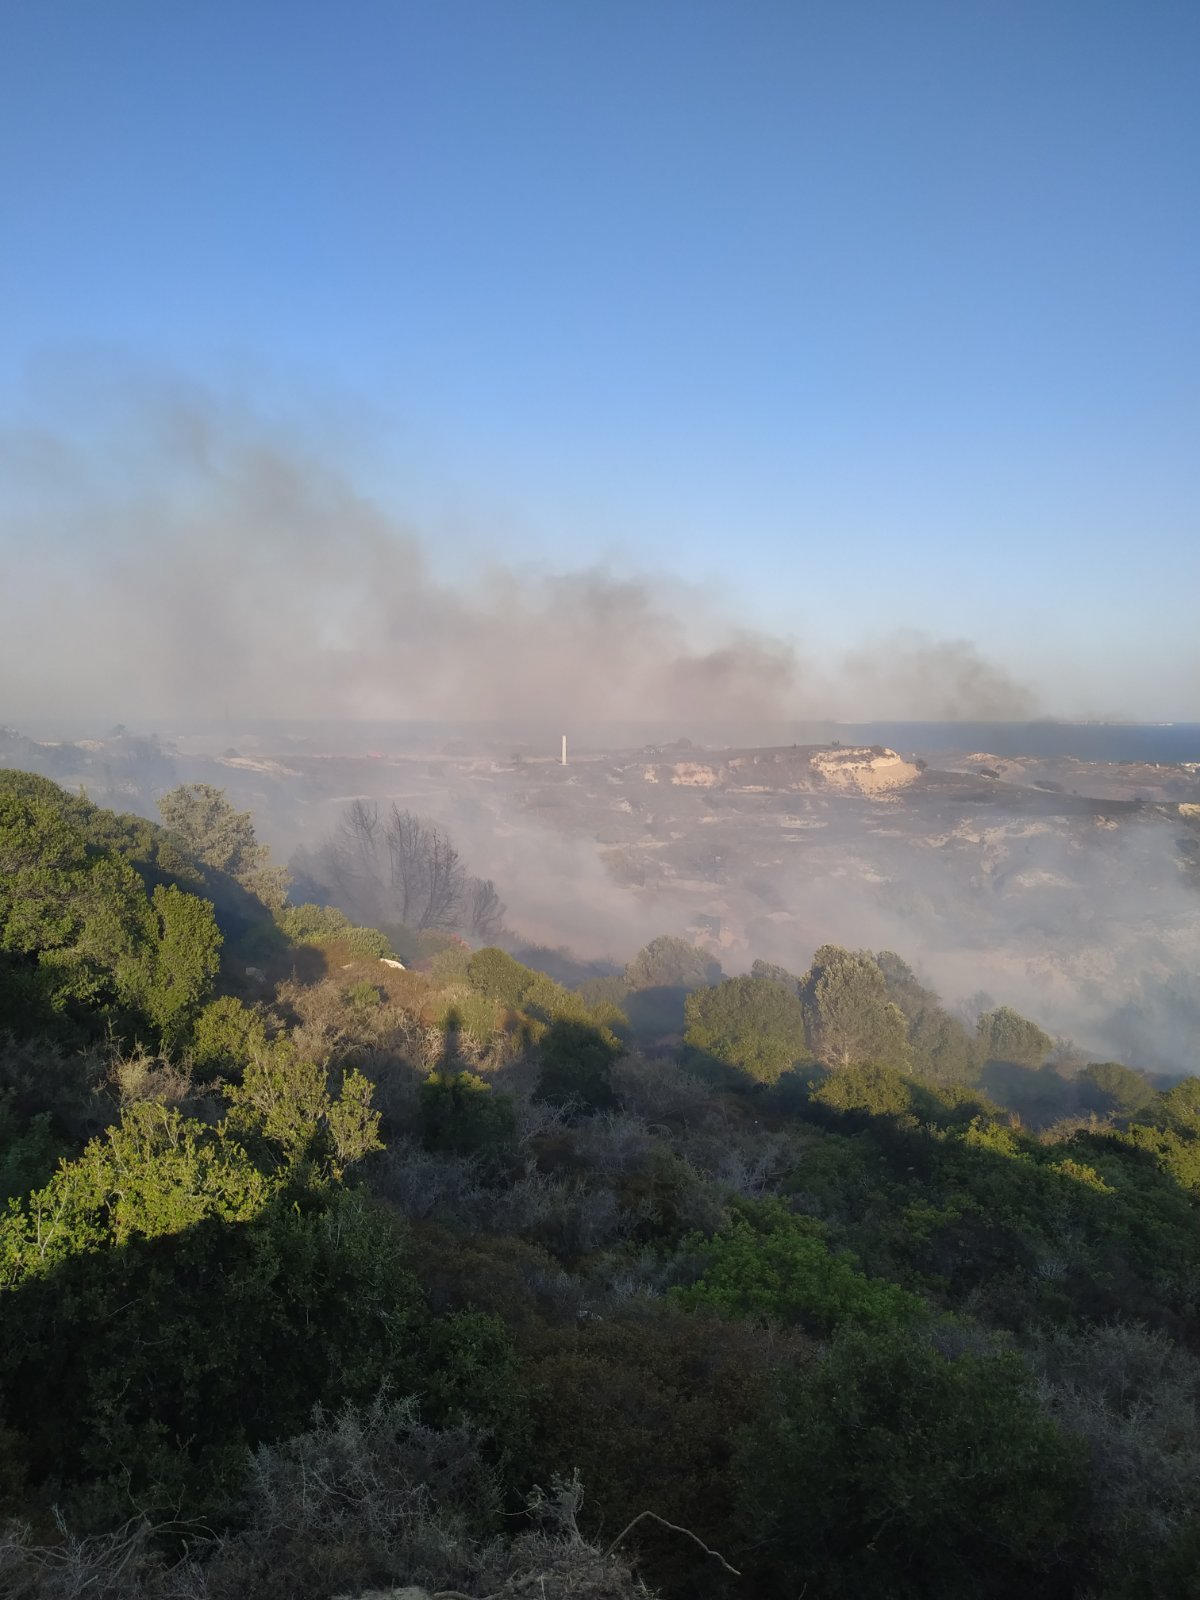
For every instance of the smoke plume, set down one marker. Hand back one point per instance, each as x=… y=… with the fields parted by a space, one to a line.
x=202 y=560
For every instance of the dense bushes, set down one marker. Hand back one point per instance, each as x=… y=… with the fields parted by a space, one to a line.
x=310 y=924
x=85 y=942
x=846 y=1321
x=157 y=1325
x=461 y=1113
x=890 y=1470
x=772 y=1265
x=751 y=1024
x=576 y=1065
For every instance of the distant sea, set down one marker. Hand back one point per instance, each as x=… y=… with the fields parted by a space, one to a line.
x=1086 y=741
x=1167 y=742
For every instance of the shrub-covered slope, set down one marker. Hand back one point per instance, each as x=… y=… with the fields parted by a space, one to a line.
x=324 y=1276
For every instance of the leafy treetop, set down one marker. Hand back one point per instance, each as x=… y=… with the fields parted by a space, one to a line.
x=207 y=825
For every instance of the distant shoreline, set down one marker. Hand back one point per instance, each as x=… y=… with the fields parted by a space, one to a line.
x=1161 y=743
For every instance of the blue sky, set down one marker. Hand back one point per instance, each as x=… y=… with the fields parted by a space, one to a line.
x=864 y=314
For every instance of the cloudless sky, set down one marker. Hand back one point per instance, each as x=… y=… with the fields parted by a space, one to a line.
x=869 y=313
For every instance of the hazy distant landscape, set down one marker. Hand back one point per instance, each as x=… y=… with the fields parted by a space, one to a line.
x=1006 y=862
x=599 y=800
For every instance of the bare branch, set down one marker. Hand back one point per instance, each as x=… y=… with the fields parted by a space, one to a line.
x=675 y=1528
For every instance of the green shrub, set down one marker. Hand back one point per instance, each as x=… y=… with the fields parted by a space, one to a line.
x=879 y=1091
x=167 y=1303
x=76 y=917
x=472 y=1374
x=774 y=1266
x=576 y=1066
x=312 y=924
x=647 y=1411
x=891 y=1472
x=549 y=1002
x=474 y=1014
x=752 y=1024
x=462 y=1113
x=225 y=1036
x=285 y=1102
x=28 y=1155
x=496 y=974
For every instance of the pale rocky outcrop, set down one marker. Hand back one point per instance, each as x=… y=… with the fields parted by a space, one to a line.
x=870 y=770
x=694 y=775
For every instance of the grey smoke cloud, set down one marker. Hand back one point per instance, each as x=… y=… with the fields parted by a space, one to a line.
x=200 y=558
x=947 y=678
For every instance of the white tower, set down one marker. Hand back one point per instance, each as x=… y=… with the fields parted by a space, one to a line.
x=564 y=750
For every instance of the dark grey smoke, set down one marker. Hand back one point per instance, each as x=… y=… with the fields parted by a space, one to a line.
x=947 y=678
x=200 y=560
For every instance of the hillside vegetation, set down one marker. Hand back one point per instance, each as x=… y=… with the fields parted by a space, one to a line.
x=323 y=1276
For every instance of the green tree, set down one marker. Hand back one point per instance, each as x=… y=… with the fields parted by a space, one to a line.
x=752 y=1024
x=659 y=979
x=78 y=917
x=1179 y=1106
x=942 y=1049
x=1110 y=1088
x=903 y=985
x=850 y=1017
x=220 y=837
x=775 y=974
x=671 y=963
x=183 y=962
x=1005 y=1035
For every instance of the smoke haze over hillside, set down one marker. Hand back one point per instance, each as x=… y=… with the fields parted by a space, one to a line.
x=1094 y=932
x=202 y=559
